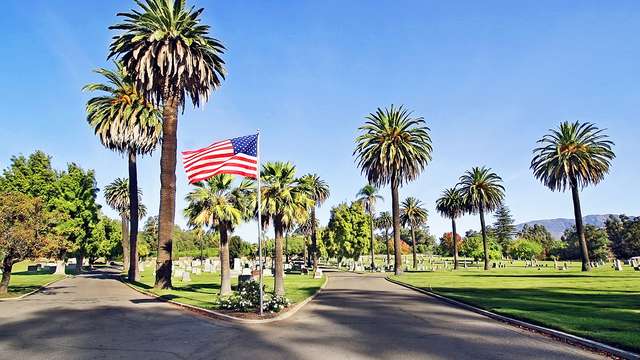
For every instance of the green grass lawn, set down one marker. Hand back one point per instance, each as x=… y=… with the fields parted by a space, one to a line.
x=603 y=304
x=203 y=289
x=23 y=282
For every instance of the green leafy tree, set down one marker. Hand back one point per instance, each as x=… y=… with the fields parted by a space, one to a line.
x=624 y=234
x=474 y=247
x=451 y=205
x=125 y=122
x=368 y=196
x=77 y=192
x=525 y=249
x=107 y=235
x=27 y=230
x=482 y=191
x=413 y=214
x=171 y=57
x=117 y=195
x=285 y=200
x=349 y=229
x=217 y=204
x=32 y=175
x=318 y=191
x=540 y=234
x=503 y=227
x=239 y=248
x=597 y=242
x=384 y=222
x=392 y=149
x=573 y=156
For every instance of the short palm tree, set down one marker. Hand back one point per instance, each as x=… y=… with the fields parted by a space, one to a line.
x=482 y=191
x=116 y=195
x=413 y=214
x=392 y=149
x=284 y=201
x=574 y=156
x=318 y=191
x=451 y=205
x=368 y=196
x=125 y=122
x=215 y=203
x=171 y=57
x=384 y=222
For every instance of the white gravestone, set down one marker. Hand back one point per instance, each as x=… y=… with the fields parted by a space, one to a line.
x=186 y=276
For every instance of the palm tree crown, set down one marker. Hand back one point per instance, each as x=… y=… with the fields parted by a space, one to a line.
x=394 y=146
x=283 y=196
x=317 y=189
x=116 y=194
x=451 y=203
x=384 y=221
x=121 y=118
x=482 y=189
x=368 y=196
x=413 y=212
x=169 y=50
x=576 y=153
x=215 y=201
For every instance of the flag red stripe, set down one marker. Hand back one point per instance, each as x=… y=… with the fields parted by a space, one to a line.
x=227 y=150
x=231 y=172
x=237 y=158
x=188 y=153
x=230 y=165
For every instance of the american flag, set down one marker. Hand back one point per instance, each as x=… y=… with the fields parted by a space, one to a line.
x=237 y=156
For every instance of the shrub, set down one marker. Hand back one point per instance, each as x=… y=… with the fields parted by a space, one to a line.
x=525 y=249
x=247 y=298
x=276 y=304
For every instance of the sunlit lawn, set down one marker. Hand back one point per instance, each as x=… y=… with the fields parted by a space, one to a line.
x=603 y=304
x=23 y=282
x=203 y=289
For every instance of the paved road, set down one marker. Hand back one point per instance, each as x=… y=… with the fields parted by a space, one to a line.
x=355 y=317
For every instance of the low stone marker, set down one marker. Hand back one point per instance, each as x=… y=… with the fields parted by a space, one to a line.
x=186 y=276
x=317 y=274
x=617 y=265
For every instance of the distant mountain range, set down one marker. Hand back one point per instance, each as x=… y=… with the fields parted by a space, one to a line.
x=557 y=226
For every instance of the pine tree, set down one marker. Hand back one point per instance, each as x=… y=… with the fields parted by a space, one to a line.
x=503 y=228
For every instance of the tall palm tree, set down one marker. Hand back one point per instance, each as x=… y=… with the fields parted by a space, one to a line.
x=393 y=148
x=368 y=196
x=451 y=205
x=413 y=214
x=284 y=201
x=385 y=222
x=217 y=204
x=482 y=191
x=125 y=122
x=171 y=56
x=116 y=195
x=575 y=155
x=318 y=191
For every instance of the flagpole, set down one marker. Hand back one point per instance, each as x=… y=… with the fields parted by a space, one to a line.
x=259 y=218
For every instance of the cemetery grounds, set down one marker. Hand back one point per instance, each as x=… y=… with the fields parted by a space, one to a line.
x=23 y=281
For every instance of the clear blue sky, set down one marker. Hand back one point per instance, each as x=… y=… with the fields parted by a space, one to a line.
x=489 y=77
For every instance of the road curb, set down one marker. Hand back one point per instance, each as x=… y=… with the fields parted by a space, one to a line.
x=220 y=316
x=569 y=338
x=34 y=291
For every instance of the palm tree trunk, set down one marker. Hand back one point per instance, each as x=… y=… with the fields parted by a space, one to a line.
x=134 y=272
x=413 y=242
x=7 y=265
x=125 y=243
x=580 y=228
x=286 y=247
x=386 y=241
x=484 y=239
x=314 y=240
x=167 y=191
x=373 y=263
x=395 y=213
x=279 y=273
x=455 y=244
x=225 y=272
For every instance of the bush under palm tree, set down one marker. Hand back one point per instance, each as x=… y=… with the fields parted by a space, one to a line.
x=125 y=122
x=392 y=149
x=368 y=196
x=217 y=204
x=482 y=191
x=413 y=214
x=451 y=205
x=285 y=201
x=573 y=156
x=171 y=57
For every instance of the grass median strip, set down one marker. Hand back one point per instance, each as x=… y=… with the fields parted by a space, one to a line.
x=603 y=304
x=203 y=289
x=23 y=282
